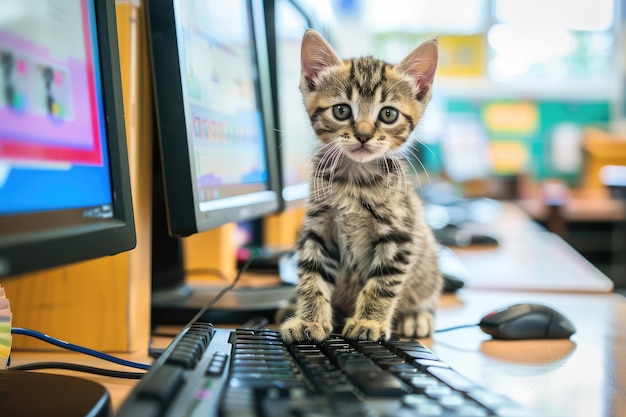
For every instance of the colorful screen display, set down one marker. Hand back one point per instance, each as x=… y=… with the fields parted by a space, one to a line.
x=223 y=117
x=53 y=150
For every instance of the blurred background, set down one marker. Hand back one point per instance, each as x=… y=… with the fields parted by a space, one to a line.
x=529 y=104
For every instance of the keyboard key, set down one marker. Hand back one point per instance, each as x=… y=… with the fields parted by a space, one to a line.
x=451 y=401
x=413 y=400
x=488 y=398
x=163 y=383
x=217 y=364
x=193 y=347
x=239 y=402
x=182 y=359
x=421 y=382
x=410 y=354
x=452 y=378
x=403 y=367
x=202 y=339
x=427 y=410
x=387 y=363
x=471 y=411
x=144 y=407
x=424 y=364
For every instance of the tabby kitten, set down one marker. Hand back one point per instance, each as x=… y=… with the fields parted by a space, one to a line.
x=366 y=257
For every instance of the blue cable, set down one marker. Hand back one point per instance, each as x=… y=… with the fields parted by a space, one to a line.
x=77 y=348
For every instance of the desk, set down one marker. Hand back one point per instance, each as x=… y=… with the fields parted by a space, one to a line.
x=590 y=221
x=581 y=377
x=529 y=258
x=584 y=376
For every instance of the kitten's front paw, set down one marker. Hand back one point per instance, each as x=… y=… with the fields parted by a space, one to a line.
x=295 y=329
x=420 y=323
x=366 y=330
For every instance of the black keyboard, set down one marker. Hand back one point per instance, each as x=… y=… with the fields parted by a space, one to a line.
x=250 y=372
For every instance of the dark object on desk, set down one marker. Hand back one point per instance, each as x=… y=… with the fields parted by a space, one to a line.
x=453 y=235
x=452 y=268
x=452 y=283
x=527 y=321
x=37 y=394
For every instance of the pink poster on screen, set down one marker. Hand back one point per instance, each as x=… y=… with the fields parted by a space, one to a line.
x=48 y=92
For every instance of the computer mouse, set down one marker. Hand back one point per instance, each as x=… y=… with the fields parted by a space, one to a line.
x=527 y=321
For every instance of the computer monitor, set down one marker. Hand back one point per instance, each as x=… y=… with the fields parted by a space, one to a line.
x=286 y=21
x=64 y=178
x=214 y=114
x=218 y=159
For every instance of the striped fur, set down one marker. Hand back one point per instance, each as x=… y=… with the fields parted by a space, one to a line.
x=366 y=258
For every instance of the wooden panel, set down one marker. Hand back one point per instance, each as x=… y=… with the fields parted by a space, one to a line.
x=211 y=254
x=136 y=71
x=85 y=303
x=281 y=229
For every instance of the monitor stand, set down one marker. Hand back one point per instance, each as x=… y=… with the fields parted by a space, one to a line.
x=25 y=393
x=175 y=301
x=235 y=307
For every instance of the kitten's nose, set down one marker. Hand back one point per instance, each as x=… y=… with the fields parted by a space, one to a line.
x=363 y=137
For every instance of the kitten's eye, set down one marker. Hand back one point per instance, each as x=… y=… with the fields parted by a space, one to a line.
x=342 y=111
x=388 y=115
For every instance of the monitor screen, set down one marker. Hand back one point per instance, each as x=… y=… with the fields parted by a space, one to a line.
x=287 y=22
x=214 y=113
x=64 y=180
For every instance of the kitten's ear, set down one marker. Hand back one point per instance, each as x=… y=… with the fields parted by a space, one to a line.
x=421 y=65
x=316 y=54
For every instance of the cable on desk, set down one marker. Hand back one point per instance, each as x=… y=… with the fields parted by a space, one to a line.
x=224 y=290
x=77 y=348
x=79 y=368
x=462 y=326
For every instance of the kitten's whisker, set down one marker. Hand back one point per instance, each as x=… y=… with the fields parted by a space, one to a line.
x=388 y=175
x=419 y=181
x=421 y=164
x=336 y=158
x=317 y=181
x=408 y=161
x=322 y=166
x=426 y=147
x=401 y=174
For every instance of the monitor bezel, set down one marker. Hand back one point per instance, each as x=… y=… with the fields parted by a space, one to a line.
x=34 y=251
x=183 y=212
x=294 y=195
